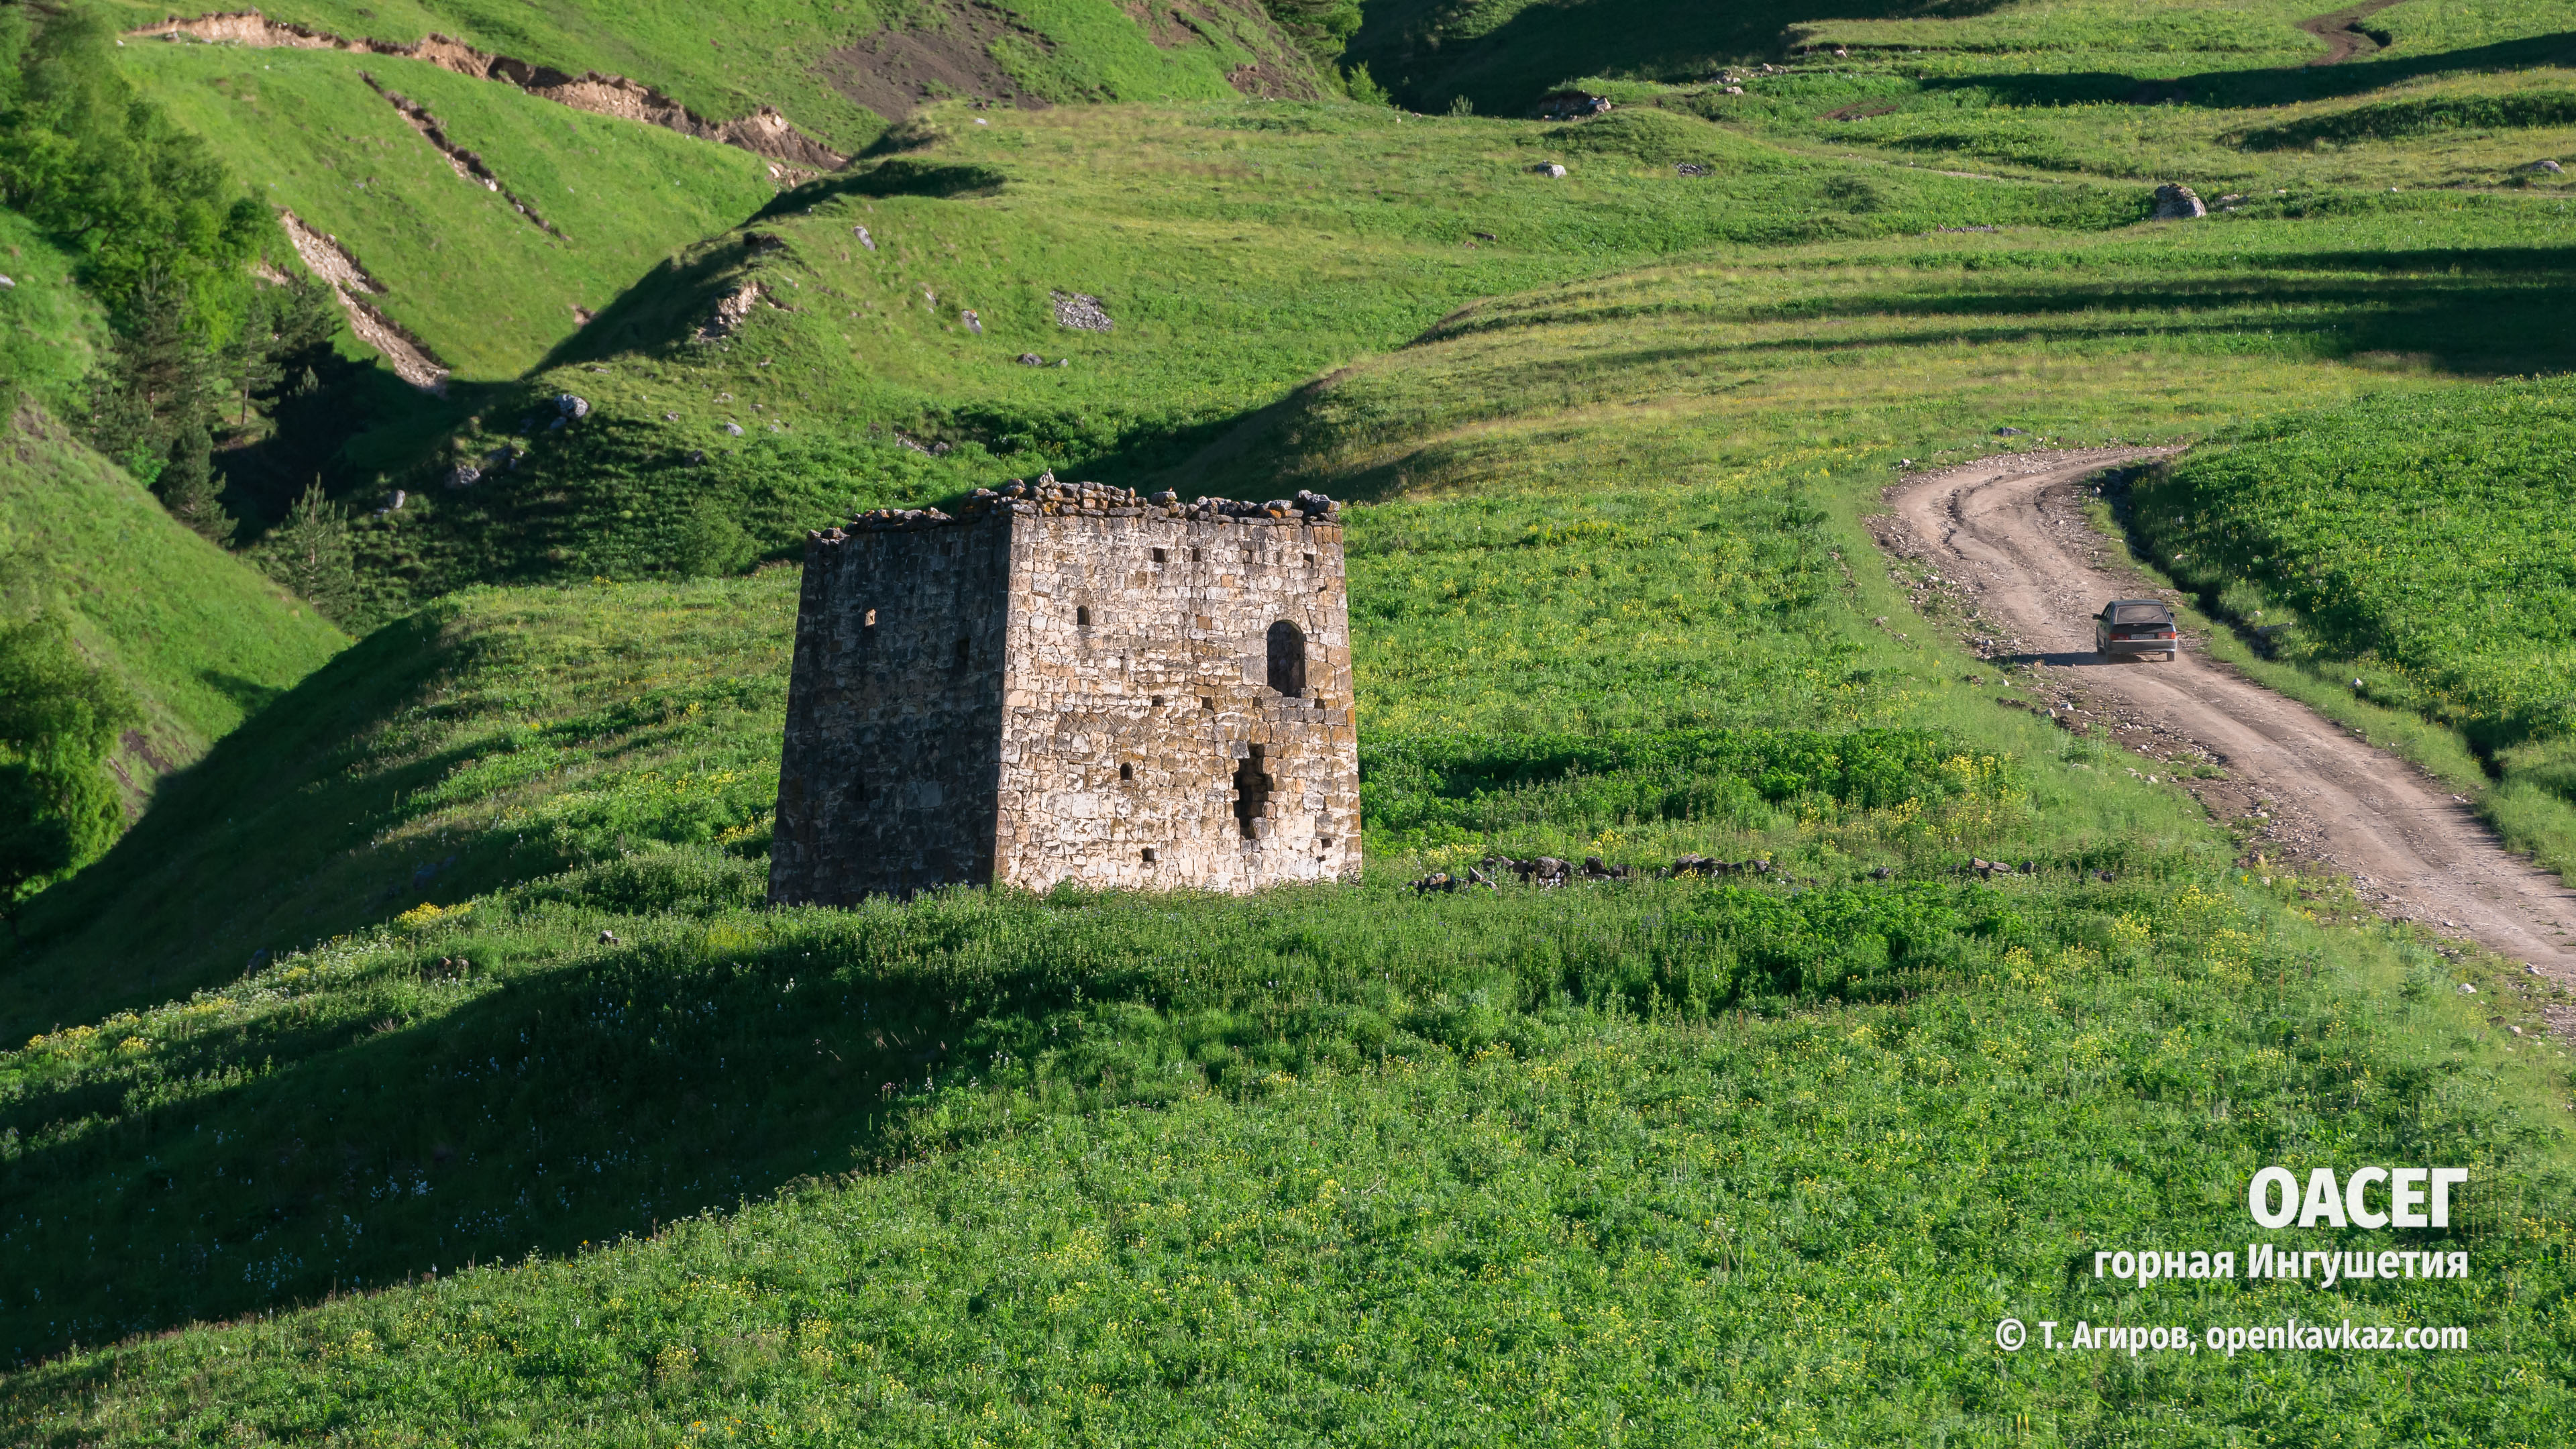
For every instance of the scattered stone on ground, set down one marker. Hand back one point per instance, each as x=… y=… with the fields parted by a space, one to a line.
x=734 y=428
x=1547 y=168
x=730 y=312
x=1031 y=359
x=572 y=406
x=1081 y=312
x=1689 y=168
x=973 y=323
x=323 y=255
x=865 y=240
x=2010 y=433
x=464 y=475
x=2177 y=202
x=2550 y=168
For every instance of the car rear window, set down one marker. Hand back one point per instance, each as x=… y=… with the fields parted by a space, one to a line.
x=2139 y=614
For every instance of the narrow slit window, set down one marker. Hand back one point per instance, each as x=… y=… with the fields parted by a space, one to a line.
x=1082 y=617
x=1126 y=772
x=965 y=652
x=1288 y=660
x=1251 y=794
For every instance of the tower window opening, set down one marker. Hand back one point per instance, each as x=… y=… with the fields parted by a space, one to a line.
x=1082 y=618
x=1150 y=856
x=1288 y=660
x=1158 y=555
x=1126 y=772
x=1251 y=794
x=965 y=651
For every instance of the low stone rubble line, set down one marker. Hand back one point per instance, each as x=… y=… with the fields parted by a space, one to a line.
x=1547 y=872
x=1050 y=498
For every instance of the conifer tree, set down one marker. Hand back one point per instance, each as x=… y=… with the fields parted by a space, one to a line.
x=310 y=554
x=191 y=489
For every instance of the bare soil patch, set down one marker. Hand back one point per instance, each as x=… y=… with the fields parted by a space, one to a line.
x=2343 y=33
x=764 y=132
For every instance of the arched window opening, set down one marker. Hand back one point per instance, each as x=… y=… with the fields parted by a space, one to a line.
x=1082 y=617
x=1126 y=772
x=1251 y=794
x=1288 y=659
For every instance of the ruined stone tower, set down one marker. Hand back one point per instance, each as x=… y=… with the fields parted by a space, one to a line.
x=1070 y=683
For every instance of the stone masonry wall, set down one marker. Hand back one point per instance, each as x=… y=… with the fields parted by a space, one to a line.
x=894 y=716
x=1139 y=695
x=1167 y=701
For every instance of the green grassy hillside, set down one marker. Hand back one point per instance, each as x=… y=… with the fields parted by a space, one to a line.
x=1238 y=251
x=1727 y=1104
x=527 y=1121
x=489 y=289
x=839 y=73
x=201 y=638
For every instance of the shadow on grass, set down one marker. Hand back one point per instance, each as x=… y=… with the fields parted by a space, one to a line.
x=232 y=837
x=2260 y=86
x=1409 y=48
x=897 y=176
x=562 y=1090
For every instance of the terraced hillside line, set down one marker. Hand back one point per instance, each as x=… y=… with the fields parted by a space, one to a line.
x=2012 y=531
x=2342 y=32
x=324 y=256
x=466 y=164
x=763 y=133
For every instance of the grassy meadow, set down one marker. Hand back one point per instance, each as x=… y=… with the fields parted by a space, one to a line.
x=425 y=1066
x=200 y=639
x=730 y=58
x=489 y=290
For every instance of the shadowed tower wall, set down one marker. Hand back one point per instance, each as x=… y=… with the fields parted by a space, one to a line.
x=1166 y=701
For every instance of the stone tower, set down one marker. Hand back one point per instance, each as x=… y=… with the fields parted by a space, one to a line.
x=1070 y=683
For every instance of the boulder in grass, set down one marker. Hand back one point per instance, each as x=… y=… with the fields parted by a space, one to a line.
x=1547 y=168
x=2543 y=168
x=572 y=406
x=1081 y=312
x=2176 y=202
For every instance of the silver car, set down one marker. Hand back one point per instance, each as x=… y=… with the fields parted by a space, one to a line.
x=2136 y=626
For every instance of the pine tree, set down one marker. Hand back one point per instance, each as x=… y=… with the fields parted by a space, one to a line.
x=191 y=489
x=310 y=554
x=159 y=380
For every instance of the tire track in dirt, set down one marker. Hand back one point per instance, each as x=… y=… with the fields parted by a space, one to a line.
x=2010 y=532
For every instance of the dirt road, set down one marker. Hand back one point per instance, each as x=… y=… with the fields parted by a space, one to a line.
x=2009 y=533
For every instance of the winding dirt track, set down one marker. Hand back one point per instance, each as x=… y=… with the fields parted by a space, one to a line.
x=2012 y=533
